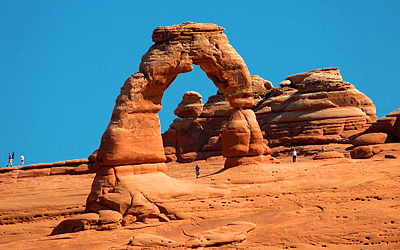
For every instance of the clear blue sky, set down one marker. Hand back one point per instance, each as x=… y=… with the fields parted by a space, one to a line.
x=63 y=62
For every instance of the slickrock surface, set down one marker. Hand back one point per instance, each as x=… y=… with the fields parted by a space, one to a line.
x=330 y=204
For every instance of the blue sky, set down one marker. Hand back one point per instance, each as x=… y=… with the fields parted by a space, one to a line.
x=62 y=63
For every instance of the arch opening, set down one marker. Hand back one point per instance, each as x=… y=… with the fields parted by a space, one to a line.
x=199 y=82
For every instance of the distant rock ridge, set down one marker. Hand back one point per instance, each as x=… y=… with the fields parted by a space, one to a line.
x=73 y=167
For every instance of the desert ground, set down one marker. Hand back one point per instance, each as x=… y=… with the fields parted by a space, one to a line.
x=309 y=204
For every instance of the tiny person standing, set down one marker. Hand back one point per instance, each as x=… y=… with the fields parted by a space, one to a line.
x=9 y=164
x=294 y=155
x=22 y=159
x=197 y=171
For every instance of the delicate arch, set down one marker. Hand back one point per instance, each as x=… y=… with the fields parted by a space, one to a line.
x=133 y=135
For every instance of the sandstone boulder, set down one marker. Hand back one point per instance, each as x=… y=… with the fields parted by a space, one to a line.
x=86 y=168
x=370 y=139
x=361 y=152
x=76 y=223
x=249 y=160
x=191 y=105
x=376 y=149
x=118 y=201
x=217 y=106
x=259 y=85
x=389 y=124
x=213 y=144
x=285 y=83
x=109 y=217
x=328 y=155
x=92 y=157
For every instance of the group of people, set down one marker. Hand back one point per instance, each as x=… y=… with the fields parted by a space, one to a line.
x=11 y=158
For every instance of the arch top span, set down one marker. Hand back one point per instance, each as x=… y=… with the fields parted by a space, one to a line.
x=178 y=47
x=134 y=122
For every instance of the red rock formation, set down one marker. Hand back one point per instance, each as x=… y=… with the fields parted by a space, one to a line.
x=365 y=152
x=361 y=152
x=319 y=107
x=133 y=135
x=389 y=124
x=191 y=105
x=370 y=139
x=190 y=140
x=328 y=155
x=259 y=84
x=316 y=107
x=132 y=143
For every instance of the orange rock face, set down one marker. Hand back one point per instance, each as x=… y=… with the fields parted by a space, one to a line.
x=133 y=135
x=370 y=139
x=242 y=136
x=191 y=105
x=316 y=107
x=328 y=155
x=361 y=152
x=389 y=124
x=132 y=143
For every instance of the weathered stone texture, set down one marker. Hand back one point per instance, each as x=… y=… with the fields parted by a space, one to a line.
x=316 y=107
x=133 y=135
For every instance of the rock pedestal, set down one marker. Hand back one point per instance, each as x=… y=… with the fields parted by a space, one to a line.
x=242 y=136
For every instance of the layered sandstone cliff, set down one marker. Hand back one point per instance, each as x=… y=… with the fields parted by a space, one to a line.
x=316 y=107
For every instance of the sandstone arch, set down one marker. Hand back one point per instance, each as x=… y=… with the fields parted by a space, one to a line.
x=133 y=135
x=132 y=143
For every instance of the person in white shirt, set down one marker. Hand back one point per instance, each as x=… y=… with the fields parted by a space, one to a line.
x=22 y=159
x=294 y=155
